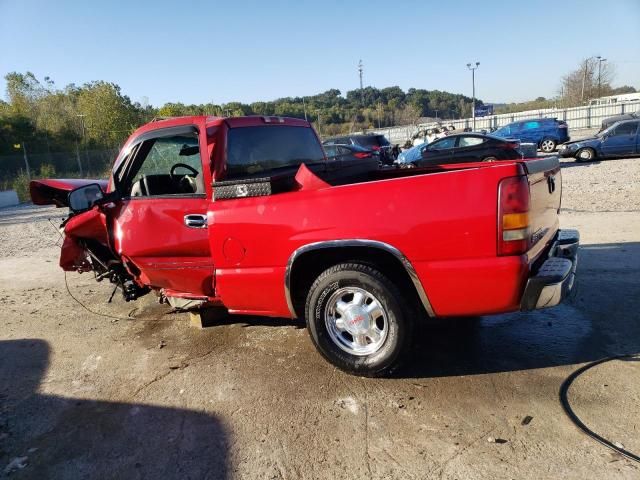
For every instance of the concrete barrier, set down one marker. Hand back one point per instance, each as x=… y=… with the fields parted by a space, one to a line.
x=8 y=198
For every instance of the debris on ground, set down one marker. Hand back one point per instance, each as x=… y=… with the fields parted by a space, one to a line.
x=162 y=344
x=496 y=440
x=527 y=420
x=17 y=463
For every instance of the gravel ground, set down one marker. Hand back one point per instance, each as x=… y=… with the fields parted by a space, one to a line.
x=140 y=393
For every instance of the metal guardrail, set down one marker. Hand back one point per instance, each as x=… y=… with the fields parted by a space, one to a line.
x=588 y=116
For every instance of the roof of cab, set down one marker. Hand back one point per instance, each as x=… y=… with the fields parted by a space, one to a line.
x=211 y=121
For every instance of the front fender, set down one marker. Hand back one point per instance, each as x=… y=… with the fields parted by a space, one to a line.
x=91 y=226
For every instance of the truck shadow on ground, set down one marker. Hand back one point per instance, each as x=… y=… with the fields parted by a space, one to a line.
x=66 y=437
x=600 y=319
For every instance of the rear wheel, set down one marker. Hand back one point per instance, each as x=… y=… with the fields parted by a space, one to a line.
x=357 y=319
x=585 y=154
x=548 y=145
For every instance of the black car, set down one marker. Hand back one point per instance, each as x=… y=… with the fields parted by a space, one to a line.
x=346 y=163
x=338 y=152
x=374 y=142
x=607 y=122
x=468 y=147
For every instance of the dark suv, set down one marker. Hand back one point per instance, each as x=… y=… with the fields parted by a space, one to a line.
x=546 y=133
x=376 y=143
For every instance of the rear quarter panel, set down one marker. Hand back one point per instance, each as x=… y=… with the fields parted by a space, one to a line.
x=444 y=223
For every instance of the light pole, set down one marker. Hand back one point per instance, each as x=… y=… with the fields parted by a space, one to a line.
x=473 y=86
x=600 y=60
x=304 y=106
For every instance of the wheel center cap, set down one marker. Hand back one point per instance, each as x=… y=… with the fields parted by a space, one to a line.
x=357 y=320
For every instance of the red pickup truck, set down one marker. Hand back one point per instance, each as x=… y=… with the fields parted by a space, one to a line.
x=247 y=214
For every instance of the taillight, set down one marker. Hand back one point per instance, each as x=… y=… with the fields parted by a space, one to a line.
x=514 y=236
x=509 y=145
x=362 y=154
x=375 y=147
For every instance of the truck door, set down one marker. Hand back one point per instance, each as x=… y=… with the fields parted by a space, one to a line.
x=622 y=140
x=160 y=225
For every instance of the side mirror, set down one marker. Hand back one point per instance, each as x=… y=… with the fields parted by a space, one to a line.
x=83 y=198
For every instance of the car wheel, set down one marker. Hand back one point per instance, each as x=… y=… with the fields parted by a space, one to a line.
x=489 y=159
x=548 y=145
x=585 y=154
x=358 y=320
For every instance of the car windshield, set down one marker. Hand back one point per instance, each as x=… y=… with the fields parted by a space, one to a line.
x=254 y=150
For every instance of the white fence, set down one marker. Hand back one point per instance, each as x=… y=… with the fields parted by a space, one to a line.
x=589 y=116
x=8 y=198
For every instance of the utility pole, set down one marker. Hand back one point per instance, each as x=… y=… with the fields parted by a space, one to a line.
x=473 y=86
x=600 y=60
x=584 y=79
x=84 y=139
x=26 y=160
x=360 y=66
x=436 y=114
x=319 y=124
x=78 y=157
x=379 y=107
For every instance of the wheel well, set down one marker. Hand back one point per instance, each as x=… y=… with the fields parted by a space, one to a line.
x=309 y=265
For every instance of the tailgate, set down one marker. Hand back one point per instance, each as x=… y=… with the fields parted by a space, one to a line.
x=545 y=187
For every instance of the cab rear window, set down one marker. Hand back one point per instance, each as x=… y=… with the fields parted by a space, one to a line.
x=255 y=151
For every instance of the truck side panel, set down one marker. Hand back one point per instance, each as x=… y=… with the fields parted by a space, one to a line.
x=430 y=218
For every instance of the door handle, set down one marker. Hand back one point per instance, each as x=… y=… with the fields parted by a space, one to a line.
x=195 y=220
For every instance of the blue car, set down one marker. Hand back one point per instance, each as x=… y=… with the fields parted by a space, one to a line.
x=411 y=155
x=546 y=133
x=622 y=139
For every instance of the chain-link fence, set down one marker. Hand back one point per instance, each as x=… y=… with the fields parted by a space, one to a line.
x=72 y=163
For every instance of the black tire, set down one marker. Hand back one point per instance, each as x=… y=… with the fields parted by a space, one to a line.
x=585 y=155
x=548 y=145
x=397 y=309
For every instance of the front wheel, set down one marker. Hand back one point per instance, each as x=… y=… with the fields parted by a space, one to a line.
x=356 y=319
x=548 y=145
x=585 y=155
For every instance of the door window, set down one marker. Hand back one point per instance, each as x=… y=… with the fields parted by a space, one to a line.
x=530 y=125
x=470 y=141
x=443 y=144
x=626 y=129
x=166 y=166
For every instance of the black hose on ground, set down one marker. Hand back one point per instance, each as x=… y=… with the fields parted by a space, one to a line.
x=564 y=400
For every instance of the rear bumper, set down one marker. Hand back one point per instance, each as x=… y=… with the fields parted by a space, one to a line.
x=555 y=278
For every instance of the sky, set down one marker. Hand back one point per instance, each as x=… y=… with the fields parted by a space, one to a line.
x=235 y=50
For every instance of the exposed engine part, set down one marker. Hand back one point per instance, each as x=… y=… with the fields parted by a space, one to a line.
x=115 y=272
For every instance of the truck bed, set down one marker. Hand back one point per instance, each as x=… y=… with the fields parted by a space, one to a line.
x=442 y=219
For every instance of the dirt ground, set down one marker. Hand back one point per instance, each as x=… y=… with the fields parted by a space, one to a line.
x=141 y=394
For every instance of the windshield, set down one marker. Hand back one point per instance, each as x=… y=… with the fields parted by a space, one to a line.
x=255 y=150
x=503 y=131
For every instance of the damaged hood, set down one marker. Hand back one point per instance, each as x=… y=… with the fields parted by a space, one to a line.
x=55 y=191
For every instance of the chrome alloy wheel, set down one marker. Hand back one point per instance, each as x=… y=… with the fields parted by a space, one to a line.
x=356 y=321
x=547 y=146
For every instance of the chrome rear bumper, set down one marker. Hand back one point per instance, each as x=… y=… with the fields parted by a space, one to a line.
x=556 y=277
